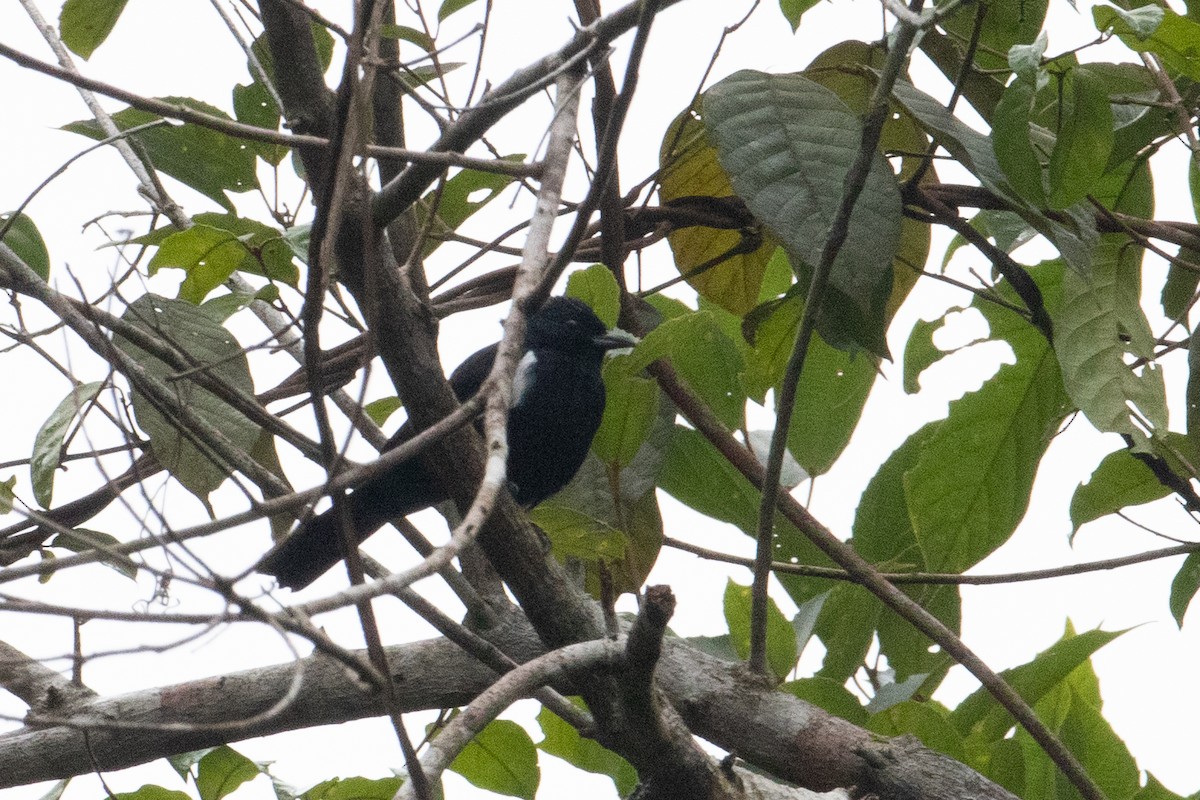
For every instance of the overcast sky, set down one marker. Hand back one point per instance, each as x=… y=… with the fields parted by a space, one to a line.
x=181 y=48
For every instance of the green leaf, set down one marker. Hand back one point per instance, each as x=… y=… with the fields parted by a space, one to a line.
x=563 y=741
x=575 y=534
x=847 y=628
x=891 y=693
x=805 y=620
x=833 y=386
x=459 y=198
x=150 y=792
x=356 y=788
x=698 y=476
x=206 y=344
x=1155 y=30
x=927 y=721
x=85 y=24
x=47 y=444
x=597 y=287
x=830 y=695
x=56 y=790
x=704 y=356
x=208 y=255
x=7 y=495
x=781 y=637
x=1180 y=286
x=971 y=484
x=501 y=759
x=254 y=105
x=403 y=32
x=1090 y=335
x=82 y=540
x=1073 y=233
x=217 y=245
x=629 y=413
x=718 y=646
x=1010 y=138
x=1153 y=790
x=1119 y=481
x=723 y=265
x=1184 y=587
x=920 y=353
x=883 y=534
x=983 y=719
x=221 y=771
x=26 y=241
x=1084 y=140
x=1193 y=391
x=1103 y=754
x=448 y=7
x=787 y=143
x=794 y=9
x=379 y=410
x=1005 y=23
x=182 y=763
x=209 y=162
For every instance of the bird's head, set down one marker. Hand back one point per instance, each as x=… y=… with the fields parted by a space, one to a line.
x=564 y=323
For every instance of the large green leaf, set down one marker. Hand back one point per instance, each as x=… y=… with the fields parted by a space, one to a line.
x=848 y=68
x=971 y=484
x=1085 y=139
x=1014 y=150
x=218 y=244
x=832 y=391
x=1005 y=23
x=254 y=105
x=356 y=788
x=1184 y=587
x=1091 y=339
x=883 y=534
x=831 y=695
x=207 y=161
x=782 y=651
x=927 y=721
x=722 y=265
x=1152 y=29
x=85 y=24
x=208 y=346
x=704 y=357
x=1120 y=480
x=787 y=144
x=23 y=236
x=563 y=741
x=502 y=759
x=459 y=198
x=1072 y=232
x=597 y=287
x=47 y=444
x=221 y=771
x=981 y=717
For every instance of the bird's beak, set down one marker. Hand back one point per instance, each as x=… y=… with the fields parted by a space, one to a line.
x=616 y=339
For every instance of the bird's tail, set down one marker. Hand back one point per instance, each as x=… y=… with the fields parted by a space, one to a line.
x=309 y=552
x=316 y=546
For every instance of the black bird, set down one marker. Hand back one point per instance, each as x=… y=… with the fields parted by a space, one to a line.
x=558 y=399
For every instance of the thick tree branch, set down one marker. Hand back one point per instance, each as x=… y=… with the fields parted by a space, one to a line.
x=719 y=701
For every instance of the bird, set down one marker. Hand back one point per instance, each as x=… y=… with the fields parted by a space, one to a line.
x=558 y=401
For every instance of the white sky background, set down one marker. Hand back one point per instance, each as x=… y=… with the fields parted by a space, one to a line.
x=182 y=48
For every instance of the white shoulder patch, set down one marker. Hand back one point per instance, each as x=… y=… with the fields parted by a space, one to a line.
x=523 y=377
